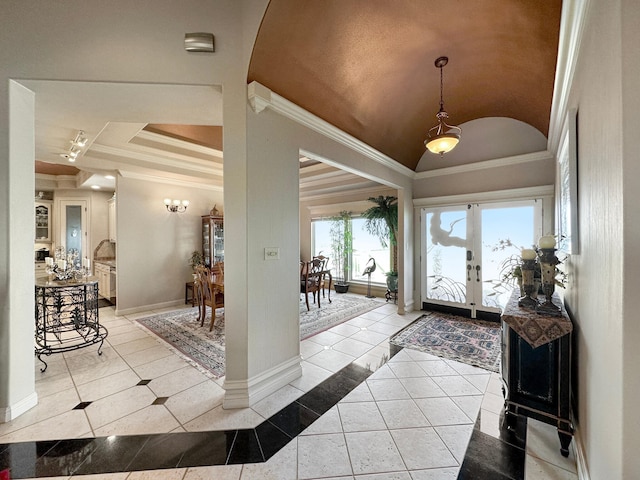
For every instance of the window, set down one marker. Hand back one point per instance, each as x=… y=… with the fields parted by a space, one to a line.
x=365 y=246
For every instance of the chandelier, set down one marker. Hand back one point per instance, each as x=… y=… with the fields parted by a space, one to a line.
x=443 y=137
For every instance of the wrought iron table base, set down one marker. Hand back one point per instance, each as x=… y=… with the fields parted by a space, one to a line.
x=67 y=317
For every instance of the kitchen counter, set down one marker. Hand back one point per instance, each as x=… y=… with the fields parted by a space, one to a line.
x=110 y=263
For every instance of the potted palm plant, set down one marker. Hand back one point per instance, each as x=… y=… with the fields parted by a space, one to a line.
x=382 y=222
x=196 y=259
x=341 y=238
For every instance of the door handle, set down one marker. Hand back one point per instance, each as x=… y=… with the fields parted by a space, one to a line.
x=468 y=272
x=477 y=273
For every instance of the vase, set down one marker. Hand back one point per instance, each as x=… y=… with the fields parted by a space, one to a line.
x=392 y=283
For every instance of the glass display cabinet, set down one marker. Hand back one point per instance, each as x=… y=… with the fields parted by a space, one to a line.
x=212 y=239
x=43 y=221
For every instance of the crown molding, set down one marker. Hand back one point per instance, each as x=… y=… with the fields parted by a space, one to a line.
x=260 y=98
x=487 y=164
x=572 y=25
x=511 y=194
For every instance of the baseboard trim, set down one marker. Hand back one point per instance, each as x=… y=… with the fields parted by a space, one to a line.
x=581 y=458
x=244 y=393
x=12 y=412
x=144 y=308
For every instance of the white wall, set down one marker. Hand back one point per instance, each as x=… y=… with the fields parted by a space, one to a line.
x=17 y=226
x=154 y=245
x=604 y=273
x=118 y=41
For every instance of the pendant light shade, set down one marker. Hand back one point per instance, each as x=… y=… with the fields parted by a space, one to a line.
x=443 y=137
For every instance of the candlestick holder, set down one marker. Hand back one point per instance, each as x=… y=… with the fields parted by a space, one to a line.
x=529 y=300
x=548 y=262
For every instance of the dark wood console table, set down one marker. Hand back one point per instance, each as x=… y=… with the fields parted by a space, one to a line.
x=536 y=367
x=67 y=316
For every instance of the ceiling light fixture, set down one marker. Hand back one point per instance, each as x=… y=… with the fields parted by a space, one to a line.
x=443 y=137
x=77 y=144
x=174 y=206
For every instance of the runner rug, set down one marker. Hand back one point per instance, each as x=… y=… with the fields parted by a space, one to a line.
x=205 y=349
x=466 y=340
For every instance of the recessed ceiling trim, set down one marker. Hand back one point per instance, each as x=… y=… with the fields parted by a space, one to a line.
x=189 y=163
x=169 y=181
x=485 y=165
x=260 y=97
x=326 y=194
x=176 y=143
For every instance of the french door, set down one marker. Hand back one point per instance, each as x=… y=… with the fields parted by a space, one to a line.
x=466 y=250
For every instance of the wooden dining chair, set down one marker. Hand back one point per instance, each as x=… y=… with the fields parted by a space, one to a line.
x=326 y=267
x=311 y=276
x=210 y=292
x=215 y=293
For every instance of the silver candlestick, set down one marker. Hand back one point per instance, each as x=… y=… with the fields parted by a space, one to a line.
x=529 y=299
x=548 y=262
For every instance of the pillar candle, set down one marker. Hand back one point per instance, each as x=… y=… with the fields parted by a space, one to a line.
x=62 y=264
x=548 y=241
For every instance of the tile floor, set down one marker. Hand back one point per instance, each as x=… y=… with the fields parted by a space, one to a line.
x=350 y=416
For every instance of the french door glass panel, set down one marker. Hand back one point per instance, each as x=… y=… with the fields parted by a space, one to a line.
x=468 y=248
x=446 y=246
x=505 y=229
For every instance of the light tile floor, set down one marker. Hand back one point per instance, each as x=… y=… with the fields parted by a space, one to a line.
x=411 y=420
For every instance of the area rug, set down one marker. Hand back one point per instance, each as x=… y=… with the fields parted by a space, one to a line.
x=474 y=342
x=205 y=349
x=343 y=307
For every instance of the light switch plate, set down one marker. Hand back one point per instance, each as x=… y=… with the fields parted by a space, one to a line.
x=271 y=253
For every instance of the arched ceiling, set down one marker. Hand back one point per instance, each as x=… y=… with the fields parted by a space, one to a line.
x=368 y=67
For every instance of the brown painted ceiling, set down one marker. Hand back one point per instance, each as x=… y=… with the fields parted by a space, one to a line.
x=367 y=67
x=55 y=168
x=205 y=135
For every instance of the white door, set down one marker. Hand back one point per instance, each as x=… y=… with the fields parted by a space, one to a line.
x=74 y=228
x=468 y=248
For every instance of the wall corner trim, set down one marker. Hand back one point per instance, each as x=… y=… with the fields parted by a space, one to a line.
x=12 y=412
x=244 y=393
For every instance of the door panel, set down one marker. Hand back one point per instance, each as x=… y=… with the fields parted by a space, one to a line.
x=466 y=247
x=446 y=250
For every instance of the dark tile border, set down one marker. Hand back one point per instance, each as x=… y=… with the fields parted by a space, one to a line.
x=487 y=457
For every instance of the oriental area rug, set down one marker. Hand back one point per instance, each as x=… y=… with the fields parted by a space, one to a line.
x=466 y=340
x=204 y=349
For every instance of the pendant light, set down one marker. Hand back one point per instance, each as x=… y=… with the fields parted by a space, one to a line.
x=443 y=137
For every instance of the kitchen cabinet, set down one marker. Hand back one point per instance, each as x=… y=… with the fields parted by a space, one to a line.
x=106 y=280
x=212 y=239
x=112 y=218
x=40 y=269
x=43 y=221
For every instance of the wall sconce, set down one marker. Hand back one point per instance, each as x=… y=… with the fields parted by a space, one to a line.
x=77 y=144
x=174 y=206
